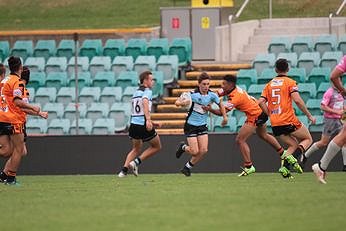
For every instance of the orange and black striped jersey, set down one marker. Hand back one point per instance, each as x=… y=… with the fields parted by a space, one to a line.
x=26 y=100
x=278 y=96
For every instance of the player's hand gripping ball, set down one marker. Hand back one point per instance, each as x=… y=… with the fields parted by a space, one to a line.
x=186 y=97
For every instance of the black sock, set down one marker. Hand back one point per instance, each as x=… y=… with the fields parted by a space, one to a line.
x=10 y=179
x=299 y=151
x=286 y=164
x=188 y=165
x=124 y=169
x=138 y=161
x=3 y=175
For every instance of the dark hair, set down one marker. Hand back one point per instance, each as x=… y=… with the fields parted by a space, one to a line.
x=281 y=65
x=203 y=76
x=144 y=75
x=2 y=69
x=25 y=74
x=14 y=64
x=230 y=78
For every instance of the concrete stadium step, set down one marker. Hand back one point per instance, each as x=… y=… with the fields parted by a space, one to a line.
x=291 y=31
x=194 y=83
x=178 y=91
x=247 y=56
x=170 y=131
x=170 y=108
x=219 y=67
x=256 y=47
x=168 y=116
x=171 y=123
x=169 y=100
x=193 y=75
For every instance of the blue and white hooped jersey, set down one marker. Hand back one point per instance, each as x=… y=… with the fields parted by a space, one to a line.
x=137 y=112
x=197 y=115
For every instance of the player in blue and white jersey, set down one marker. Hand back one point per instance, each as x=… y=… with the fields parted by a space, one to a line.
x=141 y=127
x=195 y=128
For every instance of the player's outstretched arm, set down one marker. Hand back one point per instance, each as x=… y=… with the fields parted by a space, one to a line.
x=301 y=105
x=223 y=113
x=262 y=103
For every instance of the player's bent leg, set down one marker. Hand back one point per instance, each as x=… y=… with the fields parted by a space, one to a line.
x=192 y=147
x=261 y=131
x=304 y=136
x=244 y=133
x=202 y=147
x=6 y=148
x=136 y=148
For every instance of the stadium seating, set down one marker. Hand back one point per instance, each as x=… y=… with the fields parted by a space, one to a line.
x=66 y=48
x=325 y=43
x=103 y=126
x=98 y=64
x=82 y=63
x=128 y=93
x=279 y=45
x=70 y=111
x=45 y=95
x=304 y=120
x=91 y=48
x=266 y=75
x=296 y=109
x=341 y=44
x=182 y=47
x=84 y=80
x=319 y=75
x=104 y=79
x=45 y=48
x=331 y=59
x=262 y=61
x=292 y=58
x=120 y=113
x=144 y=63
x=135 y=47
x=66 y=95
x=114 y=48
x=35 y=64
x=36 y=125
x=158 y=85
x=55 y=110
x=168 y=64
x=84 y=127
x=255 y=90
x=56 y=64
x=307 y=90
x=314 y=106
x=37 y=79
x=302 y=44
x=158 y=47
x=246 y=77
x=111 y=95
x=31 y=91
x=58 y=127
x=122 y=63
x=97 y=110
x=22 y=48
x=127 y=78
x=56 y=79
x=308 y=60
x=298 y=74
x=89 y=95
x=322 y=89
x=4 y=49
x=318 y=126
x=240 y=122
x=230 y=127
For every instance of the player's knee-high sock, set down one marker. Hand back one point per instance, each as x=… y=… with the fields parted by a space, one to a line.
x=311 y=150
x=330 y=153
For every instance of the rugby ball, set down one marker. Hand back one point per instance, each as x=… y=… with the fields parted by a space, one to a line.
x=186 y=96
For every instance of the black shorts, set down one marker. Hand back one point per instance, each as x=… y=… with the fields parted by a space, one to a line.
x=284 y=130
x=139 y=132
x=193 y=131
x=24 y=131
x=261 y=119
x=6 y=129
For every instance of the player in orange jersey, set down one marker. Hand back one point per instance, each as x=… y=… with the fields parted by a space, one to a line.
x=255 y=120
x=276 y=101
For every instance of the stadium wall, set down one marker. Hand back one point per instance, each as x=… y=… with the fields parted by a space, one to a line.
x=54 y=155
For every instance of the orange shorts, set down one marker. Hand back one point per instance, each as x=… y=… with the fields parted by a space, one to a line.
x=18 y=128
x=257 y=120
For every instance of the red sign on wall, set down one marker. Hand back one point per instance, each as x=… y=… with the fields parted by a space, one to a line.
x=175 y=23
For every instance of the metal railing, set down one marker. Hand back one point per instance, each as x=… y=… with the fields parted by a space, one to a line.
x=331 y=15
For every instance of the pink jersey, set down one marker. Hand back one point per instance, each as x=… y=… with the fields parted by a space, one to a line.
x=342 y=65
x=333 y=99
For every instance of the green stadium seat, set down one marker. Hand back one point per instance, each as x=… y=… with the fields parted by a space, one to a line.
x=122 y=63
x=230 y=127
x=304 y=120
x=36 y=125
x=98 y=64
x=331 y=59
x=82 y=63
x=58 y=127
x=242 y=86
x=241 y=122
x=89 y=95
x=45 y=48
x=291 y=58
x=279 y=45
x=37 y=79
x=66 y=48
x=120 y=113
x=84 y=80
x=55 y=110
x=66 y=95
x=319 y=75
x=97 y=110
x=128 y=93
x=56 y=64
x=318 y=126
x=246 y=77
x=70 y=111
x=308 y=60
x=103 y=126
x=158 y=85
x=135 y=47
x=4 y=49
x=144 y=63
x=127 y=78
x=325 y=43
x=182 y=47
x=314 y=106
x=31 y=91
x=22 y=48
x=297 y=74
x=322 y=89
x=341 y=44
x=114 y=48
x=104 y=79
x=45 y=95
x=307 y=90
x=84 y=127
x=255 y=90
x=35 y=64
x=262 y=61
x=158 y=47
x=111 y=95
x=302 y=44
x=56 y=79
x=168 y=64
x=238 y=114
x=91 y=48
x=266 y=75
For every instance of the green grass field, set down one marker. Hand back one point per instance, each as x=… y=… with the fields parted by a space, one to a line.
x=75 y=14
x=262 y=201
